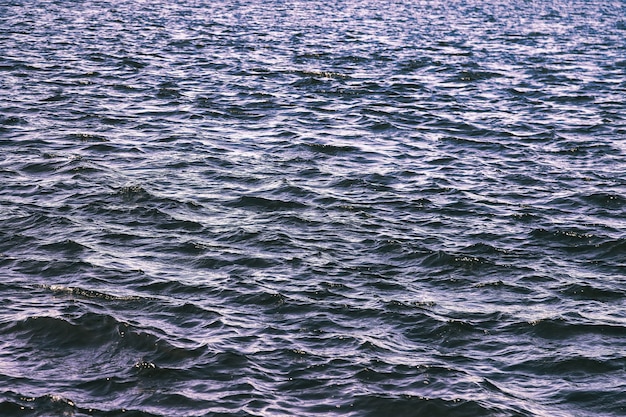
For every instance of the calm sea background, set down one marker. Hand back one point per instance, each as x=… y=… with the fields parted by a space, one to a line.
x=312 y=208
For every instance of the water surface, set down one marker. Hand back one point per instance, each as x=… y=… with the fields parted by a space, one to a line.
x=294 y=208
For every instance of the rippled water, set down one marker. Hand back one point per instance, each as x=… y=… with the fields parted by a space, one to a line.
x=363 y=208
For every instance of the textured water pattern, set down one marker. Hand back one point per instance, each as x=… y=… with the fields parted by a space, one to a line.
x=294 y=208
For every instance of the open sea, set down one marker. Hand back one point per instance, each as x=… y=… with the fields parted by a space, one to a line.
x=313 y=208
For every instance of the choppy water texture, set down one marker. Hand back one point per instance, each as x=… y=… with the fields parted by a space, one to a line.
x=297 y=208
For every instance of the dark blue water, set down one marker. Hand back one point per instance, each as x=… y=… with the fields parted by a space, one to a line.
x=302 y=208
